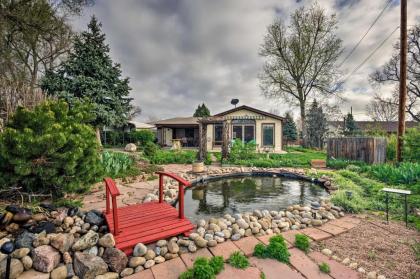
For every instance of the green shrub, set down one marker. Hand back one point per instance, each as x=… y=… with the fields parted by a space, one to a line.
x=142 y=137
x=276 y=249
x=342 y=164
x=242 y=151
x=404 y=173
x=150 y=149
x=411 y=150
x=238 y=260
x=302 y=242
x=391 y=148
x=49 y=149
x=117 y=164
x=217 y=264
x=188 y=274
x=324 y=267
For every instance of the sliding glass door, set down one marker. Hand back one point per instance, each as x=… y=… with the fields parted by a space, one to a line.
x=243 y=130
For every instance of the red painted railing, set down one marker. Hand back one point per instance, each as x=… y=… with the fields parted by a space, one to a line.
x=181 y=184
x=112 y=192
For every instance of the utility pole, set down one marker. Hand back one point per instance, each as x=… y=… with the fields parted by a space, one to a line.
x=403 y=79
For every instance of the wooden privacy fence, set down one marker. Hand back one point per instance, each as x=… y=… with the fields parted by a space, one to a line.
x=371 y=150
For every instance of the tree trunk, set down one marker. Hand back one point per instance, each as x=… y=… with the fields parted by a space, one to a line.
x=98 y=136
x=302 y=124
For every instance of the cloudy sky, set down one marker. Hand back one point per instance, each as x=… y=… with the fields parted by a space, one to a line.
x=180 y=53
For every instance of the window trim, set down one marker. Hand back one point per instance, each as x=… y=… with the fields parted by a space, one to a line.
x=274 y=134
x=243 y=130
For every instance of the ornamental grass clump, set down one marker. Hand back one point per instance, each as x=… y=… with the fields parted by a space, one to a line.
x=276 y=249
x=50 y=149
x=238 y=260
x=302 y=242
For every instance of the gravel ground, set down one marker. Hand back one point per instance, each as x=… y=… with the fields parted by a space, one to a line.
x=376 y=246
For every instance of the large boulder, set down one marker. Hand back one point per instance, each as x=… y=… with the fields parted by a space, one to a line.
x=62 y=242
x=16 y=268
x=45 y=258
x=89 y=266
x=87 y=241
x=131 y=147
x=115 y=258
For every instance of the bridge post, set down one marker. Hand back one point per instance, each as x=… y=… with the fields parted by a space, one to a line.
x=181 y=200
x=160 y=187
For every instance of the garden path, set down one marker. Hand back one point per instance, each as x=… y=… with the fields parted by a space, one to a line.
x=301 y=265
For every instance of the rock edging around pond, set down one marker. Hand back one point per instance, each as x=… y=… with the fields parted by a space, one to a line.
x=70 y=243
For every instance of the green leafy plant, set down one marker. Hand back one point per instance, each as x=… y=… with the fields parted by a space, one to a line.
x=262 y=275
x=260 y=251
x=50 y=149
x=411 y=150
x=302 y=242
x=116 y=164
x=204 y=268
x=416 y=249
x=238 y=260
x=217 y=264
x=188 y=274
x=324 y=267
x=242 y=151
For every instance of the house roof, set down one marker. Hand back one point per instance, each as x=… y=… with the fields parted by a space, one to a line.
x=141 y=125
x=243 y=107
x=388 y=126
x=177 y=121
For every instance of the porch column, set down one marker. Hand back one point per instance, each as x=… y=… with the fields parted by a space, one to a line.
x=202 y=135
x=225 y=137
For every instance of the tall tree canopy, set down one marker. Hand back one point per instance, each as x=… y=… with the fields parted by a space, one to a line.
x=90 y=75
x=390 y=73
x=34 y=36
x=301 y=58
x=316 y=125
x=289 y=128
x=202 y=111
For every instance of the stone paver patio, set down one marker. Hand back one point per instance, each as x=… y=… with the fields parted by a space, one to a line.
x=301 y=265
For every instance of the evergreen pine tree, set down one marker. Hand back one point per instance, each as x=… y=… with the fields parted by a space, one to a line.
x=90 y=75
x=316 y=125
x=289 y=129
x=202 y=111
x=350 y=127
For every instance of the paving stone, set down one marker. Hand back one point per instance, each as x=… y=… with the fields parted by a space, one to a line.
x=169 y=269
x=234 y=273
x=290 y=235
x=247 y=244
x=316 y=234
x=145 y=274
x=224 y=249
x=338 y=270
x=266 y=238
x=342 y=224
x=306 y=266
x=273 y=268
x=189 y=258
x=334 y=230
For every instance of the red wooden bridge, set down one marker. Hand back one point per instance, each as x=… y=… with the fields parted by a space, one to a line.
x=147 y=222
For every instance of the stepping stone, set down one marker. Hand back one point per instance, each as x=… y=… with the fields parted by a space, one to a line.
x=345 y=224
x=290 y=235
x=169 y=270
x=224 y=249
x=272 y=269
x=234 y=273
x=145 y=274
x=306 y=266
x=189 y=258
x=334 y=230
x=316 y=234
x=266 y=238
x=338 y=270
x=247 y=244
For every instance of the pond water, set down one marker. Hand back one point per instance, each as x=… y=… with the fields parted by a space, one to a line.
x=235 y=195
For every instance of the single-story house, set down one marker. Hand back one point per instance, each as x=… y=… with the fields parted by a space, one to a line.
x=244 y=122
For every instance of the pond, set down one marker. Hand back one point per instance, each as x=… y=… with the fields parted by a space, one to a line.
x=241 y=194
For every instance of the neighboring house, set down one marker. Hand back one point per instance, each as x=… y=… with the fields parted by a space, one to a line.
x=245 y=123
x=135 y=125
x=390 y=127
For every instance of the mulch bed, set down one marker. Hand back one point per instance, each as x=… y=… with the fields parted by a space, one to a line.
x=376 y=246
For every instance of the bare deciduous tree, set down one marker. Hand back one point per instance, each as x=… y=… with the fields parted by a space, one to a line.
x=390 y=72
x=383 y=108
x=301 y=58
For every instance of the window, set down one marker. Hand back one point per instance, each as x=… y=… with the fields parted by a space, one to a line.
x=218 y=134
x=237 y=132
x=268 y=134
x=249 y=133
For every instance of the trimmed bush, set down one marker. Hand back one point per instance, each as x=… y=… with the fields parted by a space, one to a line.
x=142 y=137
x=49 y=150
x=302 y=242
x=238 y=260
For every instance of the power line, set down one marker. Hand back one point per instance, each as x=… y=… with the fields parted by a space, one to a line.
x=371 y=54
x=364 y=35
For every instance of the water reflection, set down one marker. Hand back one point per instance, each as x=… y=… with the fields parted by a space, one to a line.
x=235 y=195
